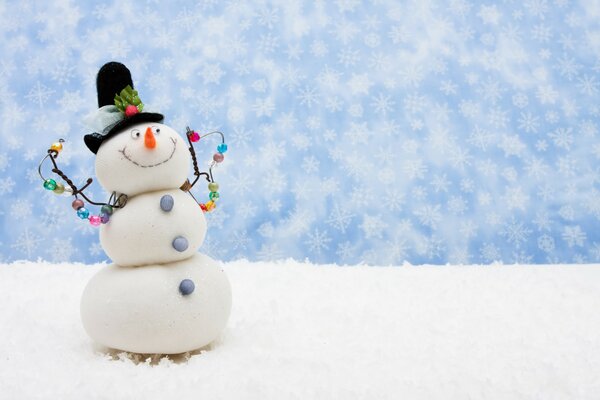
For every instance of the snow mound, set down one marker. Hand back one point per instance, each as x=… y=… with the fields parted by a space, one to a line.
x=300 y=331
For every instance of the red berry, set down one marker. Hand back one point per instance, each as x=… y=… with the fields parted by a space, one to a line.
x=131 y=110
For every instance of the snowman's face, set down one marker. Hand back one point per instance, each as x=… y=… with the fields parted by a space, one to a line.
x=143 y=158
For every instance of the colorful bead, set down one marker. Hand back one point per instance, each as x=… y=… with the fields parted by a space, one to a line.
x=104 y=217
x=50 y=184
x=218 y=157
x=77 y=204
x=213 y=195
x=83 y=213
x=95 y=220
x=213 y=186
x=107 y=209
x=222 y=148
x=57 y=147
x=186 y=287
x=194 y=137
x=59 y=189
x=210 y=205
x=203 y=207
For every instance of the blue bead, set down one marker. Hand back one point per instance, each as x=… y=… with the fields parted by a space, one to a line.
x=222 y=148
x=83 y=213
x=166 y=202
x=104 y=217
x=186 y=287
x=180 y=244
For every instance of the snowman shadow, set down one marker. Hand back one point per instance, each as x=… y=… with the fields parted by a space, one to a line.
x=153 y=359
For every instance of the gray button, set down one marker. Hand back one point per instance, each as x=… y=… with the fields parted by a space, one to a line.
x=180 y=244
x=166 y=202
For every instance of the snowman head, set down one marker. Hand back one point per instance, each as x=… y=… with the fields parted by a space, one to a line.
x=141 y=158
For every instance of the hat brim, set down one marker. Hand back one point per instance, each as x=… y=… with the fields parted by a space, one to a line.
x=94 y=140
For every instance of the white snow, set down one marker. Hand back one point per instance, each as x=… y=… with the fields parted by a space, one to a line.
x=300 y=331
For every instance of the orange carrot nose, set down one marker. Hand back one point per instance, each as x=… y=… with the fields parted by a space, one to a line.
x=149 y=140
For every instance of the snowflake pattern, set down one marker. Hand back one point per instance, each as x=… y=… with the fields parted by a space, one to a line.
x=360 y=131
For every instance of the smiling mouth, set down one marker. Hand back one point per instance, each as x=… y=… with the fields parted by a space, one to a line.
x=150 y=165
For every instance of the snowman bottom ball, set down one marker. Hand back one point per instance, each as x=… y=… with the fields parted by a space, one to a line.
x=157 y=309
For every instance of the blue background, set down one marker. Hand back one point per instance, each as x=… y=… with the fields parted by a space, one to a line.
x=360 y=131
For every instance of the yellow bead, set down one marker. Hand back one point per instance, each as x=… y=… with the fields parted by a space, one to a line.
x=59 y=189
x=210 y=205
x=57 y=146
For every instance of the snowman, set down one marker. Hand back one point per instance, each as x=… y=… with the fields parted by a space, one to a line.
x=160 y=296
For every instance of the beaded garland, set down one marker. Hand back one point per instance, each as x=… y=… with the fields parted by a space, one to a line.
x=77 y=204
x=218 y=158
x=107 y=209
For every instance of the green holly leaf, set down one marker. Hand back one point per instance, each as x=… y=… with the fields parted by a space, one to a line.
x=118 y=104
x=128 y=96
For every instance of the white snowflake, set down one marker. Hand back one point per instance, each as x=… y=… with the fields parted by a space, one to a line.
x=481 y=138
x=39 y=94
x=359 y=84
x=515 y=198
x=490 y=253
x=515 y=232
x=61 y=250
x=345 y=251
x=212 y=73
x=574 y=236
x=588 y=85
x=340 y=218
x=239 y=240
x=546 y=243
x=429 y=215
x=595 y=251
x=382 y=104
x=264 y=107
x=562 y=138
x=567 y=67
x=440 y=183
x=28 y=243
x=268 y=43
x=393 y=200
x=308 y=96
x=318 y=241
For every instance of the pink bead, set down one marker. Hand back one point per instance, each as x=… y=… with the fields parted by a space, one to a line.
x=95 y=220
x=218 y=157
x=131 y=110
x=194 y=137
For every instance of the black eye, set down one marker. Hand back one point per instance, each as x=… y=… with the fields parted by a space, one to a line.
x=156 y=130
x=135 y=134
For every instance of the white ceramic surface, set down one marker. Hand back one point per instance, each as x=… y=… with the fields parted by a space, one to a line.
x=140 y=309
x=142 y=233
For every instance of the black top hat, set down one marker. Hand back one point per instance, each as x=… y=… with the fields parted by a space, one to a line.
x=112 y=78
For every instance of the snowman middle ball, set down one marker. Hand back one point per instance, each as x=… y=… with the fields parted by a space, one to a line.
x=143 y=233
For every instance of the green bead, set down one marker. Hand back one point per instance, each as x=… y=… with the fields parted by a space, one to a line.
x=59 y=189
x=106 y=209
x=213 y=186
x=50 y=184
x=213 y=195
